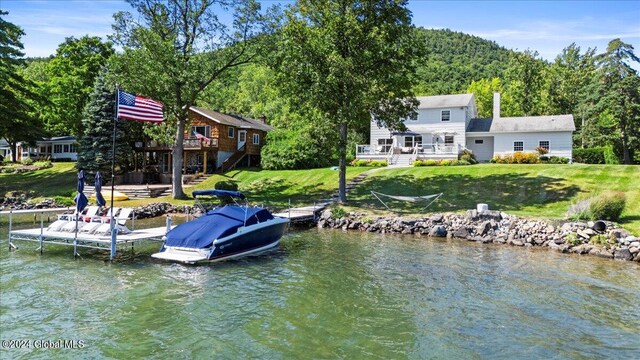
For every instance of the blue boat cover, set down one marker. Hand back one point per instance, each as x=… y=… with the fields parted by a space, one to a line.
x=216 y=224
x=218 y=193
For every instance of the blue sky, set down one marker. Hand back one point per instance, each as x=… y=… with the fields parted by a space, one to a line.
x=545 y=26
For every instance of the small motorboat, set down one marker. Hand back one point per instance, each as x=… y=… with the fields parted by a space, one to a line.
x=226 y=232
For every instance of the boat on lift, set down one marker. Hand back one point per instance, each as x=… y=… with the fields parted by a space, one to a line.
x=226 y=232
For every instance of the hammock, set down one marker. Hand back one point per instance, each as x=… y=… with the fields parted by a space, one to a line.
x=433 y=198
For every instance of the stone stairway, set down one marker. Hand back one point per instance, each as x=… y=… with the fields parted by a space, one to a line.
x=352 y=184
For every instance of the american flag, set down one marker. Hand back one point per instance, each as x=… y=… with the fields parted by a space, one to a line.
x=200 y=136
x=138 y=108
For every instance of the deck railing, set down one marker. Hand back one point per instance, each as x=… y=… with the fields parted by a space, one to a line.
x=417 y=151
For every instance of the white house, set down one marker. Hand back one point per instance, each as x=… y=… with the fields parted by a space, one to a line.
x=447 y=124
x=55 y=148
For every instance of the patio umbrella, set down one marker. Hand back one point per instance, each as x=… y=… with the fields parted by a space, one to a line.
x=81 y=203
x=100 y=201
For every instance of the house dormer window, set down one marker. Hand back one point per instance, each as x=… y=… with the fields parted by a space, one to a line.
x=231 y=133
x=445 y=115
x=413 y=116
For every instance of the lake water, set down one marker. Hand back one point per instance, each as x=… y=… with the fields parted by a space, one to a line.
x=323 y=294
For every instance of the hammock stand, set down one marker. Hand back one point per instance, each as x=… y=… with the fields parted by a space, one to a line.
x=433 y=198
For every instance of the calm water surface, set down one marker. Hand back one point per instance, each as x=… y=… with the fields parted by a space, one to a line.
x=324 y=294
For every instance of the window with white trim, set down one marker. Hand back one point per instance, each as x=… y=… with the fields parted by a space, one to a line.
x=72 y=148
x=544 y=144
x=231 y=133
x=65 y=148
x=448 y=139
x=518 y=146
x=413 y=117
x=57 y=149
x=256 y=139
x=384 y=145
x=445 y=115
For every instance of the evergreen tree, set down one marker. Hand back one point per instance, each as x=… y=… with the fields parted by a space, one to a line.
x=18 y=122
x=619 y=95
x=95 y=150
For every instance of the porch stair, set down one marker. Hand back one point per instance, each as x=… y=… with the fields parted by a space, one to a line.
x=198 y=180
x=402 y=160
x=233 y=160
x=352 y=184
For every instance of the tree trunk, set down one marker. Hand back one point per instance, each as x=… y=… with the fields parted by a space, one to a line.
x=177 y=152
x=14 y=151
x=626 y=155
x=342 y=153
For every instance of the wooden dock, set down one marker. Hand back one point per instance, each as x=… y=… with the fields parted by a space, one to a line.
x=303 y=214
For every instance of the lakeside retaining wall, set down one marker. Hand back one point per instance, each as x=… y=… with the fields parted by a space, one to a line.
x=501 y=228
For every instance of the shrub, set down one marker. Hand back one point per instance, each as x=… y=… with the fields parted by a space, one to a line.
x=541 y=151
x=544 y=158
x=468 y=156
x=610 y=156
x=63 y=200
x=338 y=212
x=374 y=163
x=445 y=162
x=378 y=163
x=455 y=162
x=518 y=157
x=558 y=160
x=607 y=206
x=463 y=162
x=418 y=163
x=593 y=155
x=430 y=162
x=27 y=161
x=226 y=185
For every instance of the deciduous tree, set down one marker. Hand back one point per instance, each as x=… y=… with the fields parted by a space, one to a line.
x=350 y=60
x=174 y=49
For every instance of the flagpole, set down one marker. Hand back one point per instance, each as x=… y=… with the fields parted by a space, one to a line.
x=113 y=177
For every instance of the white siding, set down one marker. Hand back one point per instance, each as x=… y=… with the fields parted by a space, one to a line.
x=560 y=143
x=484 y=151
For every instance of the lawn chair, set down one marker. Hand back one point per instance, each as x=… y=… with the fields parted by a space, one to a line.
x=97 y=221
x=120 y=221
x=70 y=226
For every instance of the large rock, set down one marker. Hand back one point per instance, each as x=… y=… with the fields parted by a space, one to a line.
x=623 y=254
x=438 y=231
x=461 y=233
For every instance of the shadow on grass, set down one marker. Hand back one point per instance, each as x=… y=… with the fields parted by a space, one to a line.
x=40 y=183
x=505 y=192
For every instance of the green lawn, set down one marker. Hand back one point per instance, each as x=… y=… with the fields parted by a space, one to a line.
x=59 y=180
x=537 y=191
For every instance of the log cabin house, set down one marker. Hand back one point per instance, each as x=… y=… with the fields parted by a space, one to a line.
x=213 y=142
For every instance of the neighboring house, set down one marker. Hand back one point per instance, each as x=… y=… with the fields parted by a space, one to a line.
x=213 y=142
x=447 y=124
x=55 y=148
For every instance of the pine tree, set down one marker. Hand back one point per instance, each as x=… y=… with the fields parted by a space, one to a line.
x=96 y=145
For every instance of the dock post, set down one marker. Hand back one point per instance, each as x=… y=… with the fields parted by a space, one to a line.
x=41 y=230
x=10 y=223
x=168 y=224
x=114 y=233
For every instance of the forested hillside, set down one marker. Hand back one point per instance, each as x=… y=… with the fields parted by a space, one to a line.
x=454 y=59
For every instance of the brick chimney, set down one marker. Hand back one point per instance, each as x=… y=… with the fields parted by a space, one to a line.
x=263 y=119
x=496 y=105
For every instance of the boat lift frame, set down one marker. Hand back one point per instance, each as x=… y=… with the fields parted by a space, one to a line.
x=87 y=241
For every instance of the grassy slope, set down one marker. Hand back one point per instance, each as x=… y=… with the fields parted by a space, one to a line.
x=537 y=191
x=59 y=180
x=273 y=188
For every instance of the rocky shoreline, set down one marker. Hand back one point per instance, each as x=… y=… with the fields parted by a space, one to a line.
x=608 y=241
x=604 y=239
